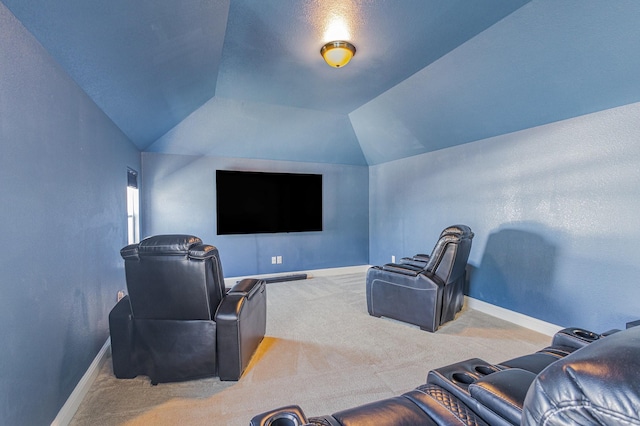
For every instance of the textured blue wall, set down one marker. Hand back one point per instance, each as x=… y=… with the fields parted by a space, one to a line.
x=63 y=171
x=554 y=209
x=179 y=197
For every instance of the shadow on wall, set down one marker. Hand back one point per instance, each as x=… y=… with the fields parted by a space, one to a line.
x=517 y=272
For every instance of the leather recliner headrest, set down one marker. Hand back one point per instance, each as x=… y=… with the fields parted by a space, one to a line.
x=596 y=384
x=463 y=231
x=168 y=245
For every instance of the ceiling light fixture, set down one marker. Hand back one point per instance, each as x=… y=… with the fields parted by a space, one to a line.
x=338 y=53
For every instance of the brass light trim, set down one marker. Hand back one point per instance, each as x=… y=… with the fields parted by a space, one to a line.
x=338 y=53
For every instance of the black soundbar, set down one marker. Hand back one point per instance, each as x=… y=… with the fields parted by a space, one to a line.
x=281 y=278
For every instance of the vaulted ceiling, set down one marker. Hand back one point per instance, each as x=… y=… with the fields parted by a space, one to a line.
x=244 y=78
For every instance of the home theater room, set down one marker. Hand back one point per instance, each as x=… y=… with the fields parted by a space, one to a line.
x=320 y=212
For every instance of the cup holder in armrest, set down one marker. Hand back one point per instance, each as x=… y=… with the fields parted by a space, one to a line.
x=485 y=370
x=589 y=335
x=457 y=377
x=285 y=416
x=464 y=378
x=284 y=419
x=574 y=337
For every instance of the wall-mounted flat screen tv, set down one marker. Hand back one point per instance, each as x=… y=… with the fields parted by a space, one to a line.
x=265 y=202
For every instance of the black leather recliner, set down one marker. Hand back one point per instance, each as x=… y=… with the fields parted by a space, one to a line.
x=591 y=379
x=426 y=291
x=422 y=259
x=178 y=321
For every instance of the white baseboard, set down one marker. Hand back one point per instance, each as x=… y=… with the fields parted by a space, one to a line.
x=512 y=316
x=70 y=407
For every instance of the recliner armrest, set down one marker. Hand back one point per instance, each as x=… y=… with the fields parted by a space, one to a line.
x=413 y=262
x=241 y=324
x=420 y=258
x=404 y=269
x=503 y=392
x=574 y=337
x=121 y=330
x=247 y=287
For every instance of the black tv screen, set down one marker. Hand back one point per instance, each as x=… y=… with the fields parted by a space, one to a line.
x=264 y=202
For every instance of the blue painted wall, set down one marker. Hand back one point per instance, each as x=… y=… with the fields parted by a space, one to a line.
x=554 y=209
x=63 y=216
x=179 y=197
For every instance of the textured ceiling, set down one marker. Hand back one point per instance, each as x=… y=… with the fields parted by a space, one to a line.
x=244 y=78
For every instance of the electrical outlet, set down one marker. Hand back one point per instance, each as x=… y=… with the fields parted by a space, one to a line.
x=273 y=260
x=393 y=259
x=279 y=260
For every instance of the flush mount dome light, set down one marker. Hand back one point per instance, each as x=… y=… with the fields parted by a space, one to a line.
x=338 y=53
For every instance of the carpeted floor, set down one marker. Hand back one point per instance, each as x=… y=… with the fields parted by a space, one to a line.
x=322 y=351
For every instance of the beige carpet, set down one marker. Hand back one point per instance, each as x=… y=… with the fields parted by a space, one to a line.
x=322 y=351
